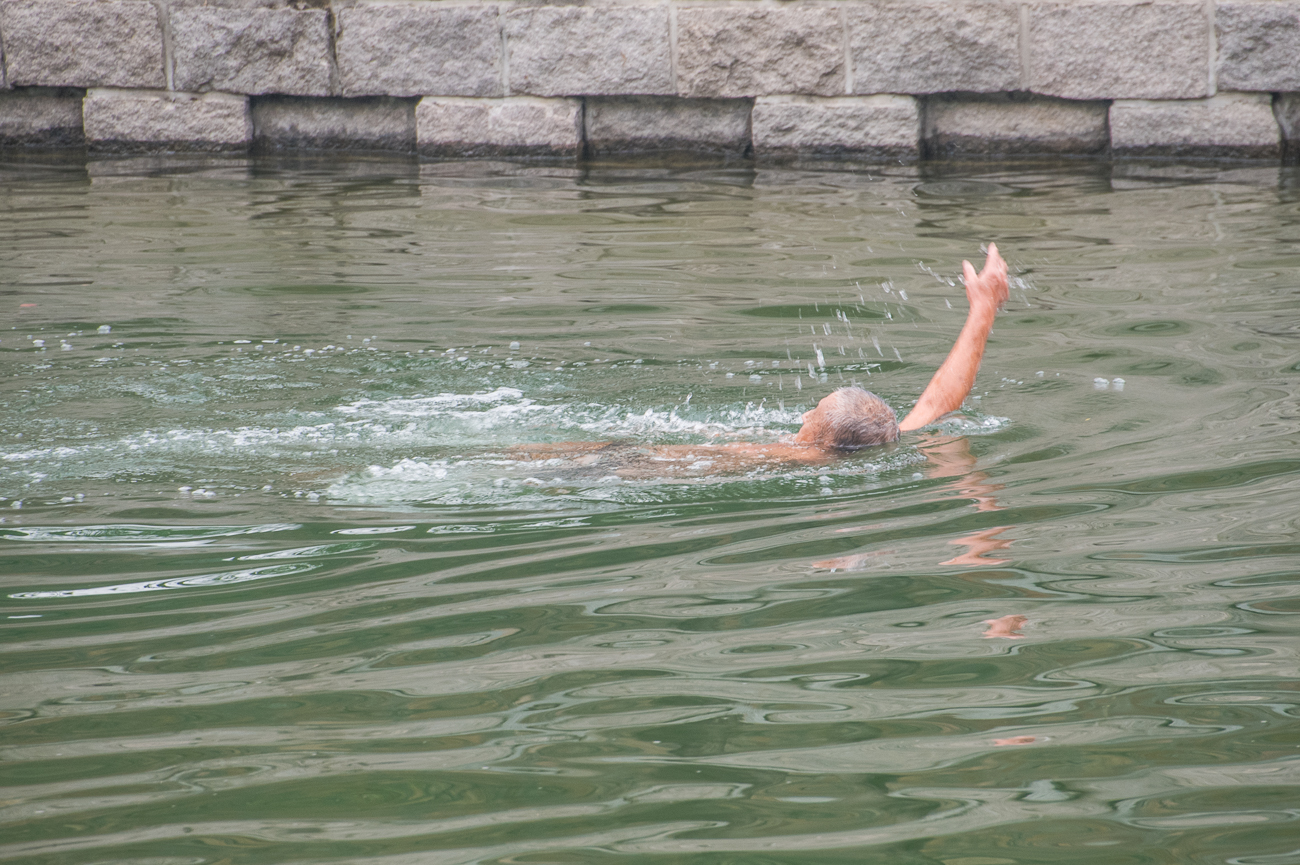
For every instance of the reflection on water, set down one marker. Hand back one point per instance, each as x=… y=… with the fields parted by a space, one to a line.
x=275 y=590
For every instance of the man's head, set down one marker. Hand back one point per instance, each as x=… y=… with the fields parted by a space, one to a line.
x=848 y=419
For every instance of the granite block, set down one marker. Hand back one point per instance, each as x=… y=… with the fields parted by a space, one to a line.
x=870 y=126
x=41 y=117
x=154 y=120
x=251 y=50
x=418 y=50
x=82 y=43
x=282 y=123
x=1120 y=49
x=1239 y=125
x=514 y=126
x=1259 y=45
x=634 y=124
x=1013 y=124
x=736 y=51
x=932 y=47
x=579 y=50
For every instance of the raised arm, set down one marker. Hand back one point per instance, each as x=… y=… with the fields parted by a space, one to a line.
x=985 y=291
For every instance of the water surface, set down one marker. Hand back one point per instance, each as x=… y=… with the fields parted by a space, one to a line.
x=273 y=591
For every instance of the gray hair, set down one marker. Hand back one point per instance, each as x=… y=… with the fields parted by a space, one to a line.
x=857 y=418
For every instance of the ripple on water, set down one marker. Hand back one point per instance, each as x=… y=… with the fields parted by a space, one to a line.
x=274 y=591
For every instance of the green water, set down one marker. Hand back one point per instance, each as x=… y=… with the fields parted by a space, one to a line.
x=272 y=593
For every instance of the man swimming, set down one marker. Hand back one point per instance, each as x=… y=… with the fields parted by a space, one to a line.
x=846 y=420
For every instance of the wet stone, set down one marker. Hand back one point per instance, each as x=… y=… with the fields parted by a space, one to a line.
x=868 y=126
x=41 y=117
x=1287 y=110
x=152 y=120
x=1013 y=124
x=1238 y=125
x=518 y=126
x=632 y=124
x=334 y=123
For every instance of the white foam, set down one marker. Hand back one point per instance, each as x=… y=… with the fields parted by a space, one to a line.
x=373 y=530
x=391 y=434
x=967 y=425
x=433 y=405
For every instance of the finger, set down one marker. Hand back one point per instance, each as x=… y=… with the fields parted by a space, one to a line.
x=968 y=271
x=995 y=262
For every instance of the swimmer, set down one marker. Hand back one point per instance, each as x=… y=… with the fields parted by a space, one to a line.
x=845 y=421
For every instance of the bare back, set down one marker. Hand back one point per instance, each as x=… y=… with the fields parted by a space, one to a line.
x=633 y=461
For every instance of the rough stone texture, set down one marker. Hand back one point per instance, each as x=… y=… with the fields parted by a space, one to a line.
x=733 y=51
x=576 y=50
x=82 y=43
x=1287 y=110
x=41 y=117
x=333 y=123
x=1229 y=124
x=873 y=126
x=932 y=47
x=145 y=120
x=414 y=50
x=1120 y=49
x=514 y=126
x=630 y=124
x=1013 y=124
x=1259 y=45
x=251 y=50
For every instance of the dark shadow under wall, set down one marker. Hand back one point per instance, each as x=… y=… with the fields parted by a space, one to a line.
x=955 y=125
x=306 y=123
x=41 y=117
x=625 y=125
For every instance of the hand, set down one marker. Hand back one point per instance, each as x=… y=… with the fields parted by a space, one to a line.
x=988 y=288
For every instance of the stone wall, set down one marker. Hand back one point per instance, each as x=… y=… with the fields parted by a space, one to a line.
x=877 y=79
